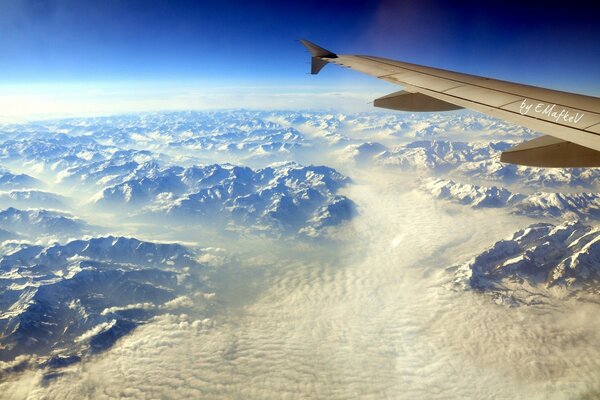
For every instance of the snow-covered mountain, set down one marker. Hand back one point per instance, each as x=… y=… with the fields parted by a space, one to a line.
x=53 y=150
x=34 y=223
x=472 y=195
x=69 y=300
x=32 y=198
x=439 y=155
x=106 y=249
x=540 y=261
x=362 y=153
x=257 y=142
x=80 y=151
x=282 y=198
x=481 y=162
x=10 y=181
x=100 y=174
x=458 y=125
x=560 y=205
x=539 y=204
x=494 y=170
x=239 y=135
x=153 y=165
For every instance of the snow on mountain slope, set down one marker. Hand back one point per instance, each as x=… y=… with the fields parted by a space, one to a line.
x=439 y=155
x=540 y=261
x=363 y=153
x=140 y=188
x=77 y=150
x=51 y=148
x=462 y=125
x=78 y=298
x=9 y=181
x=283 y=198
x=494 y=170
x=239 y=134
x=106 y=249
x=104 y=173
x=472 y=195
x=255 y=143
x=60 y=158
x=32 y=198
x=573 y=205
x=36 y=223
x=481 y=162
x=539 y=204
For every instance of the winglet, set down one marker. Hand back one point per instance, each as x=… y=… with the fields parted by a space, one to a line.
x=317 y=51
x=319 y=56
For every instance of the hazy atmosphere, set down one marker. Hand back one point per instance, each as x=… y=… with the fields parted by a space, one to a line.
x=186 y=213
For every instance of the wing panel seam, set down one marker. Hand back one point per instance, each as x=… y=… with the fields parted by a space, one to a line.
x=509 y=103
x=591 y=126
x=455 y=87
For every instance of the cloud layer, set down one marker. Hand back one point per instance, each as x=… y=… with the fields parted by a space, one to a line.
x=375 y=323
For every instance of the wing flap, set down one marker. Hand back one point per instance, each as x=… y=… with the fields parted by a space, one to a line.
x=406 y=101
x=551 y=152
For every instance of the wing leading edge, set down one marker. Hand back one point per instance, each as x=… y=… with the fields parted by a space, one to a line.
x=572 y=120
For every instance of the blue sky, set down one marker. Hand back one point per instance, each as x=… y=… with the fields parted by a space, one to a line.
x=240 y=44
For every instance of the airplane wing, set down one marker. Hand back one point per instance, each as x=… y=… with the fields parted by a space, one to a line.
x=571 y=120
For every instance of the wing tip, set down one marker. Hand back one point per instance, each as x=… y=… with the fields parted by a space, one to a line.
x=316 y=50
x=319 y=56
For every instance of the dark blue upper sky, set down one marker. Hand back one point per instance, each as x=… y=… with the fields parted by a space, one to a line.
x=253 y=42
